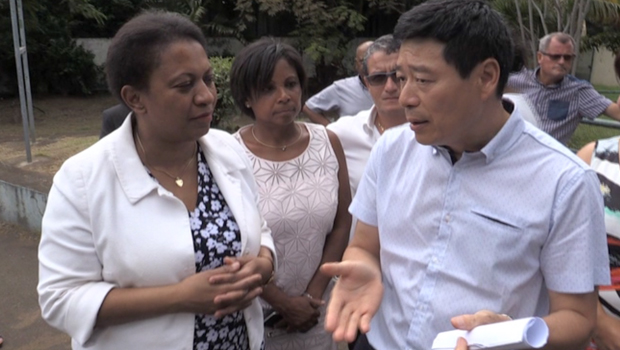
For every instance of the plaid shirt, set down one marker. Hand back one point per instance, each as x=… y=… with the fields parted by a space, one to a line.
x=560 y=106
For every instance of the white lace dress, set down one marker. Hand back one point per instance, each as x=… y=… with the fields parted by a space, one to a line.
x=299 y=199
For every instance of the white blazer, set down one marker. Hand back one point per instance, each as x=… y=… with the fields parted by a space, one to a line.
x=108 y=224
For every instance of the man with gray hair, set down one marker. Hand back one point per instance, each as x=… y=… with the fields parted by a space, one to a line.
x=560 y=99
x=358 y=133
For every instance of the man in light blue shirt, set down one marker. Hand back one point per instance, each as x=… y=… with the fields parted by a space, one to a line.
x=467 y=214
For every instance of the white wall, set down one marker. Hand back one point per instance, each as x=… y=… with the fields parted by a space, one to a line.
x=603 y=69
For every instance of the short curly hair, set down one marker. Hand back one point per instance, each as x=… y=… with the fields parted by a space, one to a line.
x=135 y=50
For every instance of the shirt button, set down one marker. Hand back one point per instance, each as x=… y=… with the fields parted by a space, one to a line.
x=447 y=218
x=435 y=260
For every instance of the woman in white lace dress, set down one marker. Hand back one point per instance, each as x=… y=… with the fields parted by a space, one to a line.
x=303 y=191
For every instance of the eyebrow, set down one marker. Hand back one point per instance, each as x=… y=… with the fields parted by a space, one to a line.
x=415 y=68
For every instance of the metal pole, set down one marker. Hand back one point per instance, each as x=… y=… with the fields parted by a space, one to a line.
x=20 y=78
x=26 y=69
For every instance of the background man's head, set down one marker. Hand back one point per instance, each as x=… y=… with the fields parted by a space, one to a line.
x=556 y=52
x=360 y=52
x=378 y=70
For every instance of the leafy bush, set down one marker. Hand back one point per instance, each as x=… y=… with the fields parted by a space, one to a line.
x=57 y=63
x=225 y=104
x=74 y=72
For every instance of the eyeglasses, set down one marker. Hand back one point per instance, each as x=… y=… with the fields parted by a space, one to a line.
x=378 y=79
x=557 y=57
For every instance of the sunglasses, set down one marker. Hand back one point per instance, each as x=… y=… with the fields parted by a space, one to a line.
x=555 y=57
x=378 y=79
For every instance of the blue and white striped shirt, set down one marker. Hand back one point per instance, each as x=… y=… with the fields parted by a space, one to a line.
x=494 y=231
x=560 y=106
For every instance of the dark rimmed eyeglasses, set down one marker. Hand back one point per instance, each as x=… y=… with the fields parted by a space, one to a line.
x=378 y=79
x=556 y=57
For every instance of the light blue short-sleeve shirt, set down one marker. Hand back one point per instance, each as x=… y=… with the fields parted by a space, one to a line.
x=346 y=96
x=495 y=230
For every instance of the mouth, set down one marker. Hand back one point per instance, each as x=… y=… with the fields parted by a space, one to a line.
x=417 y=124
x=206 y=115
x=286 y=111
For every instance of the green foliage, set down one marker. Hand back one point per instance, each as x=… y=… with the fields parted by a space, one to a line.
x=225 y=104
x=607 y=36
x=57 y=64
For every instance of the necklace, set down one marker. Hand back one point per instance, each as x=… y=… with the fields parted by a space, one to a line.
x=177 y=179
x=379 y=126
x=283 y=148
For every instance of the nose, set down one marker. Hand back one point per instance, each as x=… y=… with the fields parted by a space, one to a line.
x=390 y=84
x=409 y=97
x=206 y=94
x=283 y=95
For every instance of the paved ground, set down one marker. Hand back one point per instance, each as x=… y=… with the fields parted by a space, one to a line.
x=20 y=319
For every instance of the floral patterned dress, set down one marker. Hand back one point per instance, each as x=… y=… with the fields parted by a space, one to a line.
x=216 y=235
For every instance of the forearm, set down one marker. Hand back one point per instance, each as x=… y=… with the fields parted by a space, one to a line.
x=568 y=330
x=267 y=270
x=335 y=244
x=572 y=326
x=123 y=305
x=315 y=117
x=275 y=297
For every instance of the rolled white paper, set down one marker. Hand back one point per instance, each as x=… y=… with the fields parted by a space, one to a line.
x=524 y=333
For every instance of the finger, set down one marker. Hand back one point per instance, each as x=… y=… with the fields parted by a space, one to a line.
x=236 y=276
x=461 y=344
x=316 y=303
x=223 y=278
x=463 y=322
x=228 y=260
x=333 y=269
x=237 y=296
x=248 y=282
x=469 y=322
x=343 y=322
x=364 y=323
x=352 y=327
x=236 y=305
x=332 y=314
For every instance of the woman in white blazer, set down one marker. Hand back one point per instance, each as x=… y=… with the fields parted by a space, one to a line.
x=152 y=238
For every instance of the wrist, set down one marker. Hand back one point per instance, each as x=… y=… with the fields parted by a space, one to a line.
x=270 y=270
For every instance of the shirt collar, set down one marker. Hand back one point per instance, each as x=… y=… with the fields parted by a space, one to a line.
x=507 y=136
x=550 y=86
x=369 y=125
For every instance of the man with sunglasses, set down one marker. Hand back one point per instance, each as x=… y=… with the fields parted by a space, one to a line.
x=560 y=99
x=345 y=96
x=358 y=133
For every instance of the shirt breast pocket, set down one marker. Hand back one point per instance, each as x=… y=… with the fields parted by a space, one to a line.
x=558 y=110
x=496 y=232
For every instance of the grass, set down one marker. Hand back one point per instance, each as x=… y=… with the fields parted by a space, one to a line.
x=589 y=133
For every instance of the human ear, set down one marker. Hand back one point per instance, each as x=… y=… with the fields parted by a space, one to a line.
x=539 y=57
x=132 y=98
x=488 y=77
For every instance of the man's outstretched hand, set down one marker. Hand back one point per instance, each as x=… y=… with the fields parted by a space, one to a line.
x=355 y=298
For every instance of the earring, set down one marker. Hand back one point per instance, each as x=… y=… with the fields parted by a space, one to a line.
x=247 y=105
